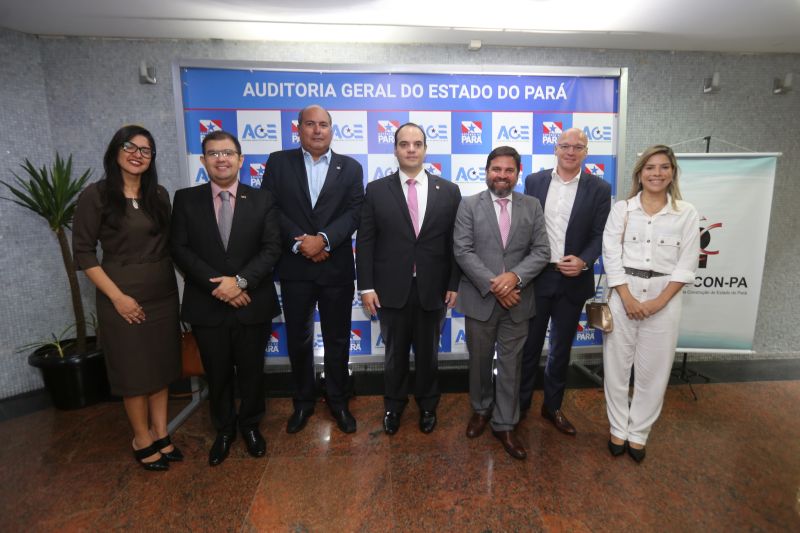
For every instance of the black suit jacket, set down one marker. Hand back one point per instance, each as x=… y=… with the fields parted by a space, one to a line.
x=584 y=236
x=253 y=251
x=336 y=214
x=387 y=249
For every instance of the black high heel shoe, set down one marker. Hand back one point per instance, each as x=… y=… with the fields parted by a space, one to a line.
x=174 y=455
x=636 y=454
x=159 y=465
x=616 y=449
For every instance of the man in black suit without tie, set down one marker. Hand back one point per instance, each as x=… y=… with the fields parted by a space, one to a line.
x=225 y=239
x=319 y=193
x=406 y=272
x=576 y=206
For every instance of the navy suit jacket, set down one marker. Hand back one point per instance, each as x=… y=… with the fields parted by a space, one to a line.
x=336 y=213
x=253 y=250
x=387 y=248
x=584 y=236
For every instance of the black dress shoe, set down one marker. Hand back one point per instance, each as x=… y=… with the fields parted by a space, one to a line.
x=220 y=449
x=616 y=449
x=174 y=455
x=345 y=420
x=159 y=465
x=636 y=454
x=391 y=422
x=427 y=421
x=298 y=420
x=254 y=442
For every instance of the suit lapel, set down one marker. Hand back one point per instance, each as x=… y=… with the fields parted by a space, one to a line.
x=396 y=191
x=434 y=191
x=516 y=215
x=543 y=189
x=334 y=169
x=299 y=166
x=239 y=213
x=208 y=213
x=488 y=206
x=580 y=197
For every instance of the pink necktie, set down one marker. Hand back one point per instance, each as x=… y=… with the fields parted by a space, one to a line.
x=505 y=220
x=413 y=207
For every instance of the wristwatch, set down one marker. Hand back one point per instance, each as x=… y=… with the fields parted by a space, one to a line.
x=241 y=282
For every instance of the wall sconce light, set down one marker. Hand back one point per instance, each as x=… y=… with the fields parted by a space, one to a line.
x=782 y=86
x=147 y=74
x=474 y=45
x=711 y=85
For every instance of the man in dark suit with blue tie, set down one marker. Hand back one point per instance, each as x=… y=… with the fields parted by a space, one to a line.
x=576 y=205
x=319 y=193
x=406 y=273
x=225 y=239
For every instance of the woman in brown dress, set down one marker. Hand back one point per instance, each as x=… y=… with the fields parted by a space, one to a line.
x=137 y=295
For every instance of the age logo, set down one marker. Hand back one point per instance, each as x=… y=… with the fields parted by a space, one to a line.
x=437 y=133
x=514 y=133
x=348 y=132
x=295 y=132
x=597 y=133
x=470 y=175
x=260 y=132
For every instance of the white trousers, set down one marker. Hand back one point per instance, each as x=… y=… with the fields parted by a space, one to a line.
x=647 y=345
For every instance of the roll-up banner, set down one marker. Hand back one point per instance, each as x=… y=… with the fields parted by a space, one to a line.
x=733 y=196
x=464 y=115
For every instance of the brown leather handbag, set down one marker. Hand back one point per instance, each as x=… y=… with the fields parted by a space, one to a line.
x=191 y=364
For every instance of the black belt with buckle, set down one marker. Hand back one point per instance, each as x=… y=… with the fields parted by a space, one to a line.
x=646 y=274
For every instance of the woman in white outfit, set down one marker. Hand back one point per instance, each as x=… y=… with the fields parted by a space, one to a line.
x=650 y=250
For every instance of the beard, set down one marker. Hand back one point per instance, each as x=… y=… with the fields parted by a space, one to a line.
x=500 y=193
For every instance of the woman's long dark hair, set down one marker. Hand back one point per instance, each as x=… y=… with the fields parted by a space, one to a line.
x=114 y=196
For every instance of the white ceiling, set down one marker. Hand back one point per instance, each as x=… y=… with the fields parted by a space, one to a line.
x=710 y=25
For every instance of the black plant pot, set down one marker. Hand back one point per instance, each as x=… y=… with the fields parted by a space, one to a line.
x=75 y=380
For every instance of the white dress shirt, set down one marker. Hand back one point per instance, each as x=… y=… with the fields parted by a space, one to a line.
x=667 y=242
x=557 y=210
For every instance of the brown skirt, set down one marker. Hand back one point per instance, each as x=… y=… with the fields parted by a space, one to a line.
x=141 y=358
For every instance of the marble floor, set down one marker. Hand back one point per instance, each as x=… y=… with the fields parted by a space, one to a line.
x=727 y=462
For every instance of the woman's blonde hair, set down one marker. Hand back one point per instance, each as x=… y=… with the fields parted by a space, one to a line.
x=673 y=189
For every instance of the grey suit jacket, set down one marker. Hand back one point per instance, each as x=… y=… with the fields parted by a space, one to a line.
x=478 y=250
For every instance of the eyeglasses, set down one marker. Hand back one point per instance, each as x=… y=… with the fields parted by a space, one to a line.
x=131 y=148
x=221 y=154
x=576 y=147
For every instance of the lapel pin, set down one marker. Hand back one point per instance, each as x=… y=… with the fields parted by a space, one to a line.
x=338 y=167
x=437 y=187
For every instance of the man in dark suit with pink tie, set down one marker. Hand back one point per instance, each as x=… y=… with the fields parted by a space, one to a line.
x=406 y=273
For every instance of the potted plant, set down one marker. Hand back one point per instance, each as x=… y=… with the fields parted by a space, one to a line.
x=73 y=369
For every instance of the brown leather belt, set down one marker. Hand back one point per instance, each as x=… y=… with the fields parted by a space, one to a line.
x=646 y=274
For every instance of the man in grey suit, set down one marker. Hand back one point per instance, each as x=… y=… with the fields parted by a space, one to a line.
x=500 y=243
